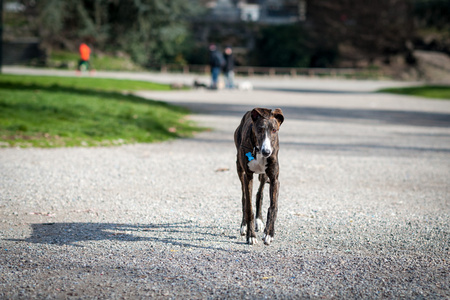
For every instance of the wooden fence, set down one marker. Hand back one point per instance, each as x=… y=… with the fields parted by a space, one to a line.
x=264 y=71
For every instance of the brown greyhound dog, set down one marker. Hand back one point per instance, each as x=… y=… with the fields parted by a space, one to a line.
x=256 y=140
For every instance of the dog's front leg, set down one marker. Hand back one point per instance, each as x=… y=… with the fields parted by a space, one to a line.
x=248 y=188
x=241 y=175
x=259 y=224
x=272 y=211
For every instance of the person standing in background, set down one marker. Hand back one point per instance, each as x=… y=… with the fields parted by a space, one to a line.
x=85 y=53
x=216 y=62
x=228 y=69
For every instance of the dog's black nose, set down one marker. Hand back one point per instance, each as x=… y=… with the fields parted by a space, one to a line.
x=265 y=152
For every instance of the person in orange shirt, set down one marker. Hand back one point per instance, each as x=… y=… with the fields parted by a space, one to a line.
x=85 y=53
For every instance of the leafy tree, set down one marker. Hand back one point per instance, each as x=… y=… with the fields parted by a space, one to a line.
x=432 y=13
x=375 y=28
x=151 y=31
x=282 y=46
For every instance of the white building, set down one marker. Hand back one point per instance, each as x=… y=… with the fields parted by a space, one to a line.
x=263 y=11
x=249 y=12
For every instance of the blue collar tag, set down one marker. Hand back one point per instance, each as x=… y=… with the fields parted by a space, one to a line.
x=249 y=156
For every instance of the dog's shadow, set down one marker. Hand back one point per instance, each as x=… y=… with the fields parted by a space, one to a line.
x=183 y=234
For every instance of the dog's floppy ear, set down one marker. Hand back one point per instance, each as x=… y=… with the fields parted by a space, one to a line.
x=260 y=113
x=278 y=114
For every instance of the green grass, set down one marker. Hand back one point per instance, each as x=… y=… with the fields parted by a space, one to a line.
x=61 y=112
x=102 y=84
x=69 y=60
x=427 y=91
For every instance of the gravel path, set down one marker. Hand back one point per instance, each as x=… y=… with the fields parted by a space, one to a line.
x=364 y=206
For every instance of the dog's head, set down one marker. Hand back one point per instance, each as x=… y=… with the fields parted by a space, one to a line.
x=266 y=124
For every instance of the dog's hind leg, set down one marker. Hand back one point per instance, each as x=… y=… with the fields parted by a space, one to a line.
x=259 y=224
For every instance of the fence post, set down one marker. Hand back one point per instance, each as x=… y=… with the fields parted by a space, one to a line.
x=293 y=72
x=271 y=72
x=163 y=69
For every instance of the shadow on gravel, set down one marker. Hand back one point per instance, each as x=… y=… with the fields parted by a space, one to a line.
x=376 y=149
x=183 y=234
x=327 y=114
x=310 y=91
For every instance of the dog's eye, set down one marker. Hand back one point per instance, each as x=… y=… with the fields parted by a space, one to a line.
x=274 y=130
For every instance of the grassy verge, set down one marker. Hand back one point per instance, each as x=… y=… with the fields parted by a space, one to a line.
x=427 y=91
x=61 y=112
x=100 y=84
x=69 y=60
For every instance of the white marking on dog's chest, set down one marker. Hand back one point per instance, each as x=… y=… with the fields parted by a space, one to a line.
x=258 y=165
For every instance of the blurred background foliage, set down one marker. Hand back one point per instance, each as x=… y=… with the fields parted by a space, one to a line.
x=149 y=33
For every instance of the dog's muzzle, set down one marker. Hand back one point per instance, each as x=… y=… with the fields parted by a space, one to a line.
x=266 y=147
x=266 y=152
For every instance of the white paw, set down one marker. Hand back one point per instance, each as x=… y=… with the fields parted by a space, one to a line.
x=252 y=241
x=243 y=229
x=267 y=239
x=259 y=225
